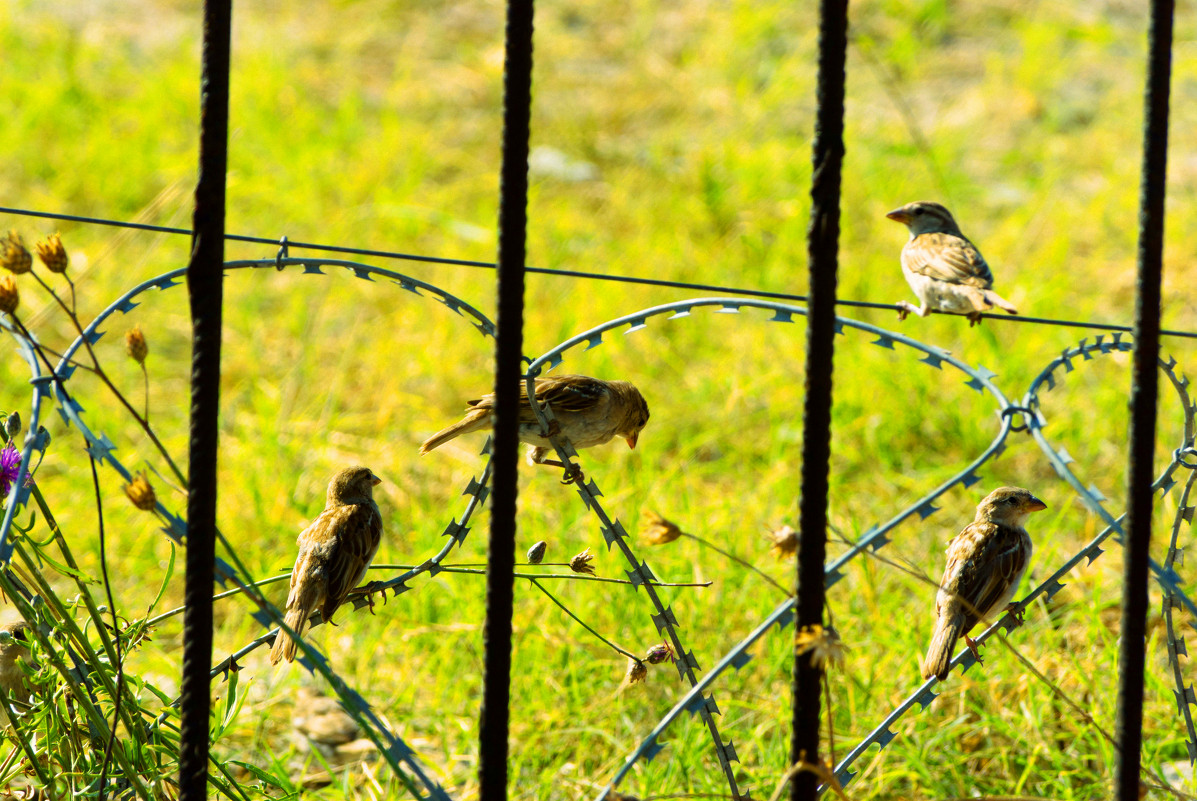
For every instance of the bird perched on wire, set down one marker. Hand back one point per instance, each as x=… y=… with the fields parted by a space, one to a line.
x=945 y=270
x=986 y=561
x=334 y=552
x=587 y=411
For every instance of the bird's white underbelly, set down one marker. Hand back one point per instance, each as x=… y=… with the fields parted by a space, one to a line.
x=942 y=295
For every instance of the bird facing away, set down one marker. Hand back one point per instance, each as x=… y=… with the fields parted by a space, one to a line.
x=986 y=561
x=945 y=270
x=588 y=411
x=334 y=552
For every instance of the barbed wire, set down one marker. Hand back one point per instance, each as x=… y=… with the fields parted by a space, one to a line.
x=696 y=700
x=285 y=242
x=103 y=449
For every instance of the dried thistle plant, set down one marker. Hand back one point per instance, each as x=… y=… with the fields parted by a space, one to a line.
x=53 y=254
x=636 y=673
x=657 y=530
x=137 y=348
x=10 y=298
x=14 y=256
x=141 y=493
x=135 y=345
x=784 y=542
x=581 y=563
x=823 y=644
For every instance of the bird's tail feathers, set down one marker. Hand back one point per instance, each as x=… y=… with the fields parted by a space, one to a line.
x=473 y=421
x=284 y=646
x=994 y=299
x=948 y=629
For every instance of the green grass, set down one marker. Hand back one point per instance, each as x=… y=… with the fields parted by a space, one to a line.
x=376 y=124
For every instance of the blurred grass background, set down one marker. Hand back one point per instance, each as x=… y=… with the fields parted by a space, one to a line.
x=671 y=140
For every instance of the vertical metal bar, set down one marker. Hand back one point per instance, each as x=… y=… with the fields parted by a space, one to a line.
x=1144 y=390
x=513 y=219
x=204 y=277
x=822 y=248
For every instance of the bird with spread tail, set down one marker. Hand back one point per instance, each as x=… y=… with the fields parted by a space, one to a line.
x=945 y=270
x=334 y=553
x=986 y=561
x=587 y=411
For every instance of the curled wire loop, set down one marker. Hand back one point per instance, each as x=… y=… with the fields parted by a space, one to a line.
x=393 y=749
x=1024 y=416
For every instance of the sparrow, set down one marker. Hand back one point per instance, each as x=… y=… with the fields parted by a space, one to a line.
x=944 y=269
x=986 y=561
x=334 y=552
x=588 y=411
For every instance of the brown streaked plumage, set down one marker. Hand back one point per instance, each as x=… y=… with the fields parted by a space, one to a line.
x=945 y=269
x=986 y=561
x=589 y=411
x=334 y=553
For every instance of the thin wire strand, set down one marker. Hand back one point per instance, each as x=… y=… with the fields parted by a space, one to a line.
x=623 y=279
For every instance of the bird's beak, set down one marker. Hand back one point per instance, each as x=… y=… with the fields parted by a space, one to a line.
x=375 y=480
x=631 y=440
x=900 y=216
x=1036 y=505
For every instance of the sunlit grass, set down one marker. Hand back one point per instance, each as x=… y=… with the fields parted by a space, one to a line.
x=376 y=124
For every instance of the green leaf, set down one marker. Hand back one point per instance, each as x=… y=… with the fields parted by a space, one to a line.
x=233 y=701
x=267 y=778
x=170 y=571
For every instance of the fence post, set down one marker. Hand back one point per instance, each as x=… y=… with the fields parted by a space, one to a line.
x=822 y=245
x=513 y=219
x=204 y=277
x=1144 y=391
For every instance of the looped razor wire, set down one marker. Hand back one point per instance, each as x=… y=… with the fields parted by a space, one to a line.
x=1091 y=496
x=694 y=700
x=883 y=734
x=1175 y=642
x=1010 y=411
x=103 y=449
x=980 y=380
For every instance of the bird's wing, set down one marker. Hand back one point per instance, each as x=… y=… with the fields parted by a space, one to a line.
x=947 y=257
x=566 y=393
x=351 y=539
x=987 y=557
x=571 y=393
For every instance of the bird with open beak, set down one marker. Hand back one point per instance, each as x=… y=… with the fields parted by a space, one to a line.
x=587 y=411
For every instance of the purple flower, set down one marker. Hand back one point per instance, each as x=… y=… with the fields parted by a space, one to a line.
x=10 y=463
